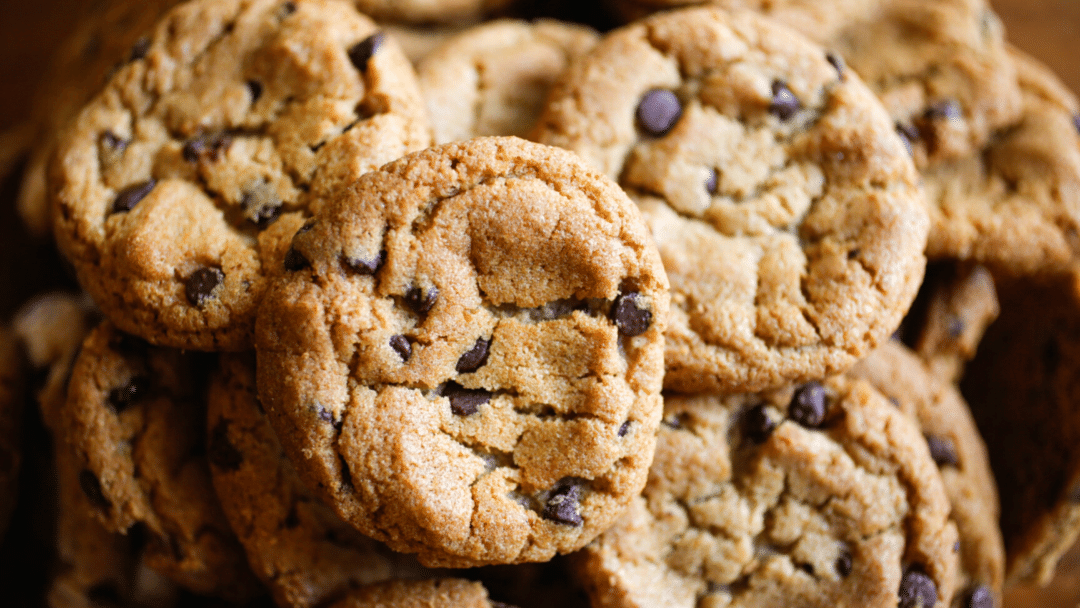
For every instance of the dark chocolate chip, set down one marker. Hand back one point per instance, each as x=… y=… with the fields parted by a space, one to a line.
x=784 y=103
x=465 y=401
x=92 y=488
x=114 y=142
x=474 y=358
x=127 y=198
x=947 y=109
x=562 y=504
x=956 y=327
x=121 y=397
x=631 y=320
x=757 y=424
x=956 y=547
x=363 y=51
x=854 y=253
x=256 y=89
x=206 y=147
x=363 y=266
x=837 y=62
x=711 y=182
x=288 y=8
x=658 y=111
x=200 y=286
x=221 y=452
x=1076 y=122
x=942 y=450
x=917 y=590
x=807 y=568
x=808 y=405
x=624 y=429
x=673 y=421
x=328 y=418
x=294 y=260
x=908 y=132
x=980 y=597
x=420 y=301
x=140 y=49
x=261 y=204
x=844 y=563
x=401 y=346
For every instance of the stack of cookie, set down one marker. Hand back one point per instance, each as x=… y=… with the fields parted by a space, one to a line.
x=346 y=340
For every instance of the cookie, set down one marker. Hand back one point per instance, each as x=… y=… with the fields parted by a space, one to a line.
x=818 y=495
x=492 y=79
x=960 y=454
x=955 y=305
x=1013 y=205
x=419 y=41
x=465 y=359
x=134 y=418
x=299 y=549
x=183 y=180
x=784 y=205
x=425 y=12
x=1023 y=386
x=12 y=400
x=443 y=593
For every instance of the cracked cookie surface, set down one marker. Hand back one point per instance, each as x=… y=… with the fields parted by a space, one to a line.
x=465 y=359
x=493 y=79
x=177 y=188
x=820 y=495
x=784 y=205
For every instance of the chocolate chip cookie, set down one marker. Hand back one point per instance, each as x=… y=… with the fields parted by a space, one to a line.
x=955 y=445
x=297 y=546
x=818 y=495
x=493 y=79
x=134 y=418
x=784 y=205
x=178 y=187
x=466 y=355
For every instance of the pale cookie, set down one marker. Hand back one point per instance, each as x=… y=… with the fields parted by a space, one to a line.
x=782 y=201
x=818 y=496
x=466 y=358
x=493 y=79
x=296 y=545
x=955 y=445
x=1015 y=204
x=178 y=186
x=1023 y=386
x=134 y=418
x=440 y=593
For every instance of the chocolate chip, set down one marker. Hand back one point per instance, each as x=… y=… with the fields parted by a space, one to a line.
x=121 y=397
x=956 y=547
x=465 y=401
x=362 y=266
x=261 y=204
x=127 y=198
x=474 y=358
x=942 y=450
x=200 y=286
x=562 y=504
x=288 y=8
x=757 y=424
x=222 y=453
x=363 y=51
x=917 y=590
x=784 y=103
x=673 y=421
x=844 y=563
x=956 y=327
x=114 y=142
x=658 y=111
x=256 y=89
x=294 y=260
x=980 y=597
x=206 y=147
x=420 y=301
x=624 y=429
x=1076 y=122
x=401 y=346
x=808 y=405
x=854 y=253
x=92 y=488
x=631 y=320
x=711 y=182
x=140 y=49
x=837 y=63
x=948 y=109
x=908 y=135
x=327 y=417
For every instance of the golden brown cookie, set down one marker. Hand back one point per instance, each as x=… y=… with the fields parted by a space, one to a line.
x=439 y=593
x=178 y=186
x=820 y=495
x=783 y=203
x=465 y=358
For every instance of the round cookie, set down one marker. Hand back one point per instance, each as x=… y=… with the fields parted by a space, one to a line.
x=12 y=401
x=958 y=450
x=297 y=546
x=1015 y=204
x=134 y=417
x=817 y=496
x=493 y=79
x=178 y=186
x=466 y=357
x=784 y=205
x=425 y=12
x=1023 y=386
x=444 y=593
